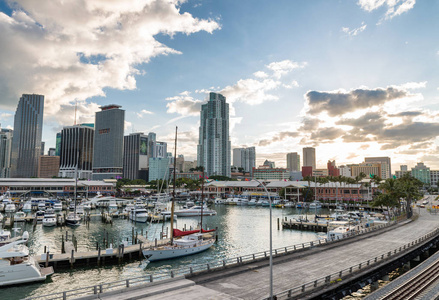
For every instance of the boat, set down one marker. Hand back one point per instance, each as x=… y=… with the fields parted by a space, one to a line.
x=112 y=207
x=195 y=211
x=139 y=214
x=219 y=201
x=39 y=215
x=27 y=207
x=242 y=201
x=5 y=236
x=182 y=243
x=10 y=208
x=264 y=202
x=252 y=202
x=49 y=218
x=19 y=216
x=57 y=206
x=17 y=267
x=73 y=218
x=315 y=204
x=42 y=205
x=1 y=217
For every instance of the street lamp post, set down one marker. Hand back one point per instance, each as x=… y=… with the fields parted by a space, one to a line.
x=271 y=240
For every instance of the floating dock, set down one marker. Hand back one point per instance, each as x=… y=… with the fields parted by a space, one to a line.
x=304 y=225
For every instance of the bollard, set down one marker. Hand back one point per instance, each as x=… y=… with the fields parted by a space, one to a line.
x=45 y=249
x=63 y=250
x=278 y=224
x=47 y=259
x=72 y=257
x=155 y=242
x=99 y=256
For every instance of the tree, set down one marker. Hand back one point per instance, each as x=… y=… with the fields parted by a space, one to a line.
x=409 y=187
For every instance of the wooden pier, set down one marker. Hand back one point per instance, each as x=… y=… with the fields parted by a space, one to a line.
x=303 y=225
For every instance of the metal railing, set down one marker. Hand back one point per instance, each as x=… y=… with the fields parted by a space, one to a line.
x=338 y=276
x=228 y=262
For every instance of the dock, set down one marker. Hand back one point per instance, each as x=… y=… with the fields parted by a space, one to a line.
x=303 y=225
x=122 y=253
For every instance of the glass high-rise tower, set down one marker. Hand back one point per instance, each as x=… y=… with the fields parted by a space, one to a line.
x=26 y=142
x=108 y=143
x=213 y=151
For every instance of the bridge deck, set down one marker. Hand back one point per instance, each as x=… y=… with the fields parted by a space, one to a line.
x=252 y=281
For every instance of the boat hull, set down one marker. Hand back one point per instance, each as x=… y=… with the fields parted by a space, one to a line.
x=154 y=255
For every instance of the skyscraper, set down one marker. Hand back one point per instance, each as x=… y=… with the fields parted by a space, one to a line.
x=309 y=157
x=5 y=152
x=244 y=158
x=108 y=143
x=135 y=155
x=214 y=150
x=293 y=162
x=26 y=142
x=386 y=170
x=76 y=151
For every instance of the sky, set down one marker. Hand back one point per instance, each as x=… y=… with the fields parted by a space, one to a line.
x=352 y=78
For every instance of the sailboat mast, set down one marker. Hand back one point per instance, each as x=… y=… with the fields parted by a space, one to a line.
x=173 y=188
x=202 y=201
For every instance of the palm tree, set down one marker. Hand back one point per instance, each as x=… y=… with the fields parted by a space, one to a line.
x=409 y=188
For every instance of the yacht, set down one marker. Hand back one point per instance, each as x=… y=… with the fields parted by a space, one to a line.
x=315 y=204
x=195 y=211
x=40 y=216
x=264 y=202
x=73 y=219
x=57 y=206
x=242 y=201
x=42 y=205
x=139 y=214
x=16 y=266
x=27 y=207
x=252 y=202
x=128 y=208
x=49 y=218
x=10 y=208
x=219 y=201
x=112 y=207
x=5 y=236
x=19 y=216
x=1 y=217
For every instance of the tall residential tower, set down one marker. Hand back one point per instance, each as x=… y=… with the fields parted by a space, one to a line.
x=309 y=157
x=213 y=151
x=26 y=142
x=293 y=162
x=244 y=158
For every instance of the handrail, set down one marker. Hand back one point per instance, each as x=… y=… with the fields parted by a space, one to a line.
x=162 y=275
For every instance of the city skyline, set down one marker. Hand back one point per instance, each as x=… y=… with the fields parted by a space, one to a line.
x=296 y=74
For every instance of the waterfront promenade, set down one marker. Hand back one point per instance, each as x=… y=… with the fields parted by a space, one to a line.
x=251 y=281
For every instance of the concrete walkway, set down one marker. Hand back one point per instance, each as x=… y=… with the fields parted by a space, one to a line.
x=252 y=281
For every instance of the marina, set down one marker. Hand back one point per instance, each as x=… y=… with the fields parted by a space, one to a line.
x=241 y=231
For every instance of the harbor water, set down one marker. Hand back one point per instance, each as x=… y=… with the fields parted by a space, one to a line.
x=242 y=230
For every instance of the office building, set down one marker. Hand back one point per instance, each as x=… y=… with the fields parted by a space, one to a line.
x=369 y=169
x=267 y=173
x=293 y=162
x=386 y=170
x=188 y=165
x=43 y=144
x=180 y=163
x=161 y=150
x=48 y=166
x=159 y=168
x=214 y=149
x=244 y=158
x=332 y=169
x=422 y=172
x=26 y=141
x=345 y=171
x=309 y=157
x=434 y=177
x=5 y=152
x=108 y=143
x=51 y=152
x=135 y=156
x=76 y=152
x=270 y=164
x=403 y=170
x=58 y=144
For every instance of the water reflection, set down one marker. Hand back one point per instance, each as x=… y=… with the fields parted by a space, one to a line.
x=241 y=231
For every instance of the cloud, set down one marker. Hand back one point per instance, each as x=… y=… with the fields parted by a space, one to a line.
x=144 y=112
x=5 y=116
x=260 y=74
x=355 y=31
x=340 y=102
x=278 y=137
x=184 y=104
x=73 y=50
x=394 y=7
x=284 y=67
x=328 y=134
x=251 y=91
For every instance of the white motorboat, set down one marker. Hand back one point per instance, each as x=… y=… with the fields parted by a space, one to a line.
x=10 y=208
x=195 y=211
x=315 y=204
x=1 y=217
x=242 y=201
x=139 y=214
x=73 y=219
x=49 y=219
x=219 y=201
x=27 y=207
x=252 y=202
x=187 y=245
x=264 y=202
x=16 y=266
x=42 y=205
x=19 y=216
x=57 y=206
x=112 y=207
x=5 y=236
x=128 y=208
x=40 y=216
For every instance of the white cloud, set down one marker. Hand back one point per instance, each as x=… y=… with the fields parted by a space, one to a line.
x=293 y=84
x=394 y=7
x=355 y=31
x=284 y=67
x=412 y=85
x=184 y=104
x=5 y=116
x=144 y=112
x=260 y=74
x=75 y=49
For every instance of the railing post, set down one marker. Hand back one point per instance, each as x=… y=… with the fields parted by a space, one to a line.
x=100 y=289
x=172 y=274
x=64 y=295
x=128 y=283
x=208 y=267
x=224 y=263
x=190 y=269
x=150 y=278
x=95 y=290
